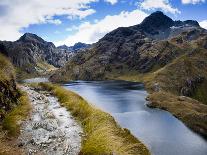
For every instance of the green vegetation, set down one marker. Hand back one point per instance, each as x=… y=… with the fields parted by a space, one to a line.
x=6 y=69
x=200 y=93
x=190 y=111
x=102 y=134
x=8 y=91
x=14 y=107
x=42 y=69
x=10 y=127
x=12 y=120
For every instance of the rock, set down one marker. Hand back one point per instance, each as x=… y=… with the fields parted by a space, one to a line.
x=156 y=87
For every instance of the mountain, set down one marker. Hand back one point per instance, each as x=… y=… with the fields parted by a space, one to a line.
x=76 y=47
x=169 y=57
x=33 y=55
x=141 y=48
x=79 y=46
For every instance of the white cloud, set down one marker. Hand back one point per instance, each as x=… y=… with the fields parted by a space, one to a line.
x=111 y=1
x=92 y=32
x=192 y=1
x=72 y=28
x=164 y=5
x=55 y=21
x=18 y=14
x=203 y=24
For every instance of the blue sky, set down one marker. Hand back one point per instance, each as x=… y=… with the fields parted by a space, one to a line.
x=70 y=21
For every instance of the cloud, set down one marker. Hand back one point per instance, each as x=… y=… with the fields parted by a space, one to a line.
x=203 y=24
x=164 y=5
x=72 y=28
x=55 y=21
x=111 y=1
x=18 y=14
x=192 y=1
x=92 y=32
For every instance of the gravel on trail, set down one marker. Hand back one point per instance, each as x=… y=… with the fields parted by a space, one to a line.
x=50 y=130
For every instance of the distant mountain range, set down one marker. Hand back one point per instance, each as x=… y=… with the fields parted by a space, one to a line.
x=76 y=47
x=33 y=56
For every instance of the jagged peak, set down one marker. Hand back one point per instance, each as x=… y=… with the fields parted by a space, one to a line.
x=157 y=20
x=30 y=37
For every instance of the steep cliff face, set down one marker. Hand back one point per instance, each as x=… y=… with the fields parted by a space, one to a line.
x=31 y=54
x=9 y=93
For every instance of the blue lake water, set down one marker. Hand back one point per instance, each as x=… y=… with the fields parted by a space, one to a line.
x=161 y=132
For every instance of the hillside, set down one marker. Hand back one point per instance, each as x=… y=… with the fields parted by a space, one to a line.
x=140 y=48
x=9 y=93
x=33 y=56
x=168 y=56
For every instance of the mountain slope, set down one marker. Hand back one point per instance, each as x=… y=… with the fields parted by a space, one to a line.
x=32 y=55
x=140 y=48
x=9 y=93
x=168 y=56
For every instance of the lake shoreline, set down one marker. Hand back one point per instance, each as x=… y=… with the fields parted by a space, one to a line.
x=100 y=128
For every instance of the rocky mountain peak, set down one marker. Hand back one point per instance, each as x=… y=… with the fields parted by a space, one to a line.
x=157 y=20
x=27 y=37
x=80 y=45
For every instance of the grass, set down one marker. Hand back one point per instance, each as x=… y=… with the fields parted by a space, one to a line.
x=102 y=134
x=12 y=120
x=10 y=127
x=190 y=111
x=6 y=69
x=200 y=93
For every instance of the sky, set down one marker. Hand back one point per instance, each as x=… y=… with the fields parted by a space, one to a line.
x=71 y=21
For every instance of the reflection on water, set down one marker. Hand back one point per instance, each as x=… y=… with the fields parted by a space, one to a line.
x=159 y=130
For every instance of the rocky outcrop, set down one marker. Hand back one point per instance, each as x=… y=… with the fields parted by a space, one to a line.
x=190 y=86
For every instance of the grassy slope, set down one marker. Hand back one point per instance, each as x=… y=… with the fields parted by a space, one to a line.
x=170 y=79
x=17 y=109
x=6 y=69
x=8 y=92
x=42 y=69
x=190 y=111
x=102 y=134
x=12 y=120
x=10 y=128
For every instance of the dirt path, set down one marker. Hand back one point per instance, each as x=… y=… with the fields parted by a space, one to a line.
x=51 y=130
